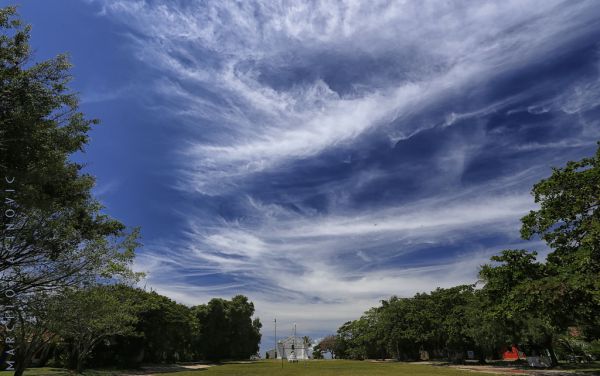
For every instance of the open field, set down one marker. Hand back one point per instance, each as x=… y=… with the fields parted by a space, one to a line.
x=313 y=368
x=267 y=368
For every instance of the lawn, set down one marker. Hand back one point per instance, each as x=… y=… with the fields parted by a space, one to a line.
x=328 y=368
x=310 y=368
x=267 y=368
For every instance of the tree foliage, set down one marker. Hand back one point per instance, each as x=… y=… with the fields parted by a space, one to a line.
x=226 y=329
x=84 y=317
x=569 y=221
x=522 y=300
x=53 y=231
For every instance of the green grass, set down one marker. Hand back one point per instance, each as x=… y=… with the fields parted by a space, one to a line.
x=39 y=372
x=326 y=368
x=310 y=368
x=268 y=368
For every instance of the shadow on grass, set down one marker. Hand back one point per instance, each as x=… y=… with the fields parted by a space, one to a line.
x=150 y=369
x=147 y=370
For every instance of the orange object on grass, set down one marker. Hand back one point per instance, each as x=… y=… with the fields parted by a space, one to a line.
x=512 y=353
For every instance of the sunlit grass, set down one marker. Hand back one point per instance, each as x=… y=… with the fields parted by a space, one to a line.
x=267 y=368
x=275 y=368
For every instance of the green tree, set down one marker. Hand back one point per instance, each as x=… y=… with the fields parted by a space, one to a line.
x=569 y=221
x=523 y=301
x=517 y=288
x=317 y=352
x=163 y=332
x=53 y=233
x=54 y=230
x=487 y=332
x=105 y=261
x=226 y=329
x=306 y=340
x=330 y=344
x=85 y=317
x=31 y=332
x=450 y=307
x=244 y=331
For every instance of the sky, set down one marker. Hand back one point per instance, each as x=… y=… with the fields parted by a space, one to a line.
x=321 y=156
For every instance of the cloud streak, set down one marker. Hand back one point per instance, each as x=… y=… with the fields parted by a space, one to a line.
x=230 y=49
x=339 y=153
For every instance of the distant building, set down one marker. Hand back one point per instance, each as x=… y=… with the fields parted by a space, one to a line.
x=291 y=345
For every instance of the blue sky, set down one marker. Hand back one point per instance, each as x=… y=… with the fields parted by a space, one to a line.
x=321 y=156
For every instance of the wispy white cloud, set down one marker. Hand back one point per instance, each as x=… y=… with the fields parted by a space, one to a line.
x=221 y=46
x=105 y=188
x=229 y=71
x=308 y=270
x=325 y=297
x=104 y=95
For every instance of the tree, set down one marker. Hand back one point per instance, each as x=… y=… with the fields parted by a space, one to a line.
x=317 y=352
x=483 y=327
x=514 y=300
x=329 y=344
x=53 y=234
x=83 y=318
x=226 y=329
x=306 y=340
x=244 y=331
x=451 y=307
x=523 y=301
x=167 y=329
x=53 y=229
x=568 y=218
x=164 y=332
x=31 y=332
x=540 y=300
x=569 y=221
x=105 y=262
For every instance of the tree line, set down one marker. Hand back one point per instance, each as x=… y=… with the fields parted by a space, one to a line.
x=547 y=307
x=66 y=282
x=122 y=326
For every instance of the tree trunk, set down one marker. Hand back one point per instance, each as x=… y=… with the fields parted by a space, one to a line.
x=22 y=361
x=481 y=356
x=80 y=360
x=82 y=356
x=73 y=358
x=45 y=355
x=553 y=358
x=19 y=368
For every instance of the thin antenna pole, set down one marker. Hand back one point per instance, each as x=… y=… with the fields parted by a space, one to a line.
x=306 y=355
x=276 y=349
x=295 y=349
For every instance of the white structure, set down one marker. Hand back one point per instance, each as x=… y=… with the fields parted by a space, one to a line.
x=271 y=354
x=293 y=348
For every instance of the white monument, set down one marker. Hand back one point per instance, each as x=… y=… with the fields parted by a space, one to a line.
x=293 y=348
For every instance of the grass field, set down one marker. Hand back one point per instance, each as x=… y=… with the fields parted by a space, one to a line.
x=310 y=368
x=268 y=368
x=329 y=368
